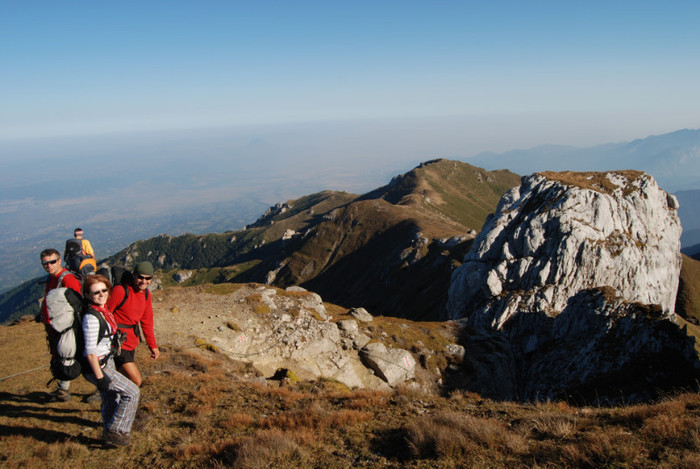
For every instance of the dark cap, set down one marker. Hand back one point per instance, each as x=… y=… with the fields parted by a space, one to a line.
x=144 y=268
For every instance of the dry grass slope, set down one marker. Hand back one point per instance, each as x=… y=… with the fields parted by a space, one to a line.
x=688 y=299
x=202 y=410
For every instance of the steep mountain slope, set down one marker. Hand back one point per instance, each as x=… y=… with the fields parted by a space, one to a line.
x=688 y=299
x=391 y=250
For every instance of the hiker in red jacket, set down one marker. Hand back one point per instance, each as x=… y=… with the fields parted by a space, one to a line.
x=134 y=315
x=58 y=277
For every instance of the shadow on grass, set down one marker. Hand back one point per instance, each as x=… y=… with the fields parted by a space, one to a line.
x=49 y=436
x=17 y=406
x=391 y=443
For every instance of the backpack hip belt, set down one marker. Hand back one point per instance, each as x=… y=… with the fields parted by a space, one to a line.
x=135 y=327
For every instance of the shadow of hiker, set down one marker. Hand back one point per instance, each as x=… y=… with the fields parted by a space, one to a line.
x=19 y=407
x=47 y=436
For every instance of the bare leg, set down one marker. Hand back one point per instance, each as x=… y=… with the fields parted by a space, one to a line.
x=131 y=371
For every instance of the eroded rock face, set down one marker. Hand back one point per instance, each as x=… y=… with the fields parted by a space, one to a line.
x=550 y=239
x=558 y=269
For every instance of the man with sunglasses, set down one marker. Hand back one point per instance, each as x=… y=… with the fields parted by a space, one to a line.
x=58 y=277
x=133 y=311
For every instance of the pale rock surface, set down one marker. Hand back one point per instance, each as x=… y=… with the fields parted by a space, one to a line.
x=361 y=314
x=183 y=276
x=576 y=276
x=392 y=365
x=272 y=330
x=549 y=240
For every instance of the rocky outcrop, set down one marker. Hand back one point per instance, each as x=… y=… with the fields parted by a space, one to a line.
x=183 y=276
x=294 y=331
x=579 y=273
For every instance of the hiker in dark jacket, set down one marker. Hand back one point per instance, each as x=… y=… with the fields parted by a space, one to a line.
x=120 y=396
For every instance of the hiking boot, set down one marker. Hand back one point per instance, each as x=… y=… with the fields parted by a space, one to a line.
x=113 y=438
x=59 y=395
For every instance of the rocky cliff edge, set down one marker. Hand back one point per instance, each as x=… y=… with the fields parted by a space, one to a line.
x=579 y=273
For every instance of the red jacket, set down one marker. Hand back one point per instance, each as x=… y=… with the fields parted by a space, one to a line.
x=137 y=310
x=69 y=281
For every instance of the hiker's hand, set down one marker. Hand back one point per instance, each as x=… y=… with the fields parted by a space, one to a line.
x=155 y=353
x=103 y=383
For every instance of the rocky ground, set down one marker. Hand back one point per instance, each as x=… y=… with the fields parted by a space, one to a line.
x=272 y=329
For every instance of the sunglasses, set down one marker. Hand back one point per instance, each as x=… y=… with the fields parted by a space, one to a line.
x=143 y=277
x=45 y=263
x=98 y=292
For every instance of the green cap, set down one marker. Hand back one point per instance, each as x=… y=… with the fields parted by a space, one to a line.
x=144 y=268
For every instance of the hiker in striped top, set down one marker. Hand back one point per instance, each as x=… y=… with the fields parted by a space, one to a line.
x=120 y=396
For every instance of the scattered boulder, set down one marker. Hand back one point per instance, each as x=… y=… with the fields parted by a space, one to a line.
x=392 y=365
x=349 y=329
x=294 y=332
x=361 y=314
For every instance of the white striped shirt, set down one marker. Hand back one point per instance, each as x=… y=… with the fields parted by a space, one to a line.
x=91 y=329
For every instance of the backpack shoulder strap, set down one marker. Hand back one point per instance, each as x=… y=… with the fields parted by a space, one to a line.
x=104 y=327
x=126 y=296
x=61 y=277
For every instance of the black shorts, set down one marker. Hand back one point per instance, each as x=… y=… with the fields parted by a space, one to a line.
x=127 y=356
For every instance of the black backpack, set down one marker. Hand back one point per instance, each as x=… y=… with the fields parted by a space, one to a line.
x=76 y=260
x=120 y=276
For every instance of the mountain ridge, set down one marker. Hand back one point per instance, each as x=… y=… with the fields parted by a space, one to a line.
x=433 y=218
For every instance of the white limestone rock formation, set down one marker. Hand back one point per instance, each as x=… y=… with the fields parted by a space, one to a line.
x=560 y=233
x=578 y=272
x=182 y=276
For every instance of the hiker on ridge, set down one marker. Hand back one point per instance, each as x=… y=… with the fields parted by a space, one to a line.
x=120 y=396
x=58 y=277
x=79 y=255
x=87 y=247
x=132 y=308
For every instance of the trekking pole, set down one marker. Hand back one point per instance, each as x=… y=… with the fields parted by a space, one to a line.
x=24 y=372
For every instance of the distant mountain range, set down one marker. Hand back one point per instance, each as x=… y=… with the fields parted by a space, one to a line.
x=673 y=159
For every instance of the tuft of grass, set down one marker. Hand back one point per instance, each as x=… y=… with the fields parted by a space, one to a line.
x=267 y=448
x=454 y=435
x=201 y=343
x=286 y=374
x=222 y=288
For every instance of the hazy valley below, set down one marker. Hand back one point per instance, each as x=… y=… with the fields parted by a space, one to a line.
x=214 y=182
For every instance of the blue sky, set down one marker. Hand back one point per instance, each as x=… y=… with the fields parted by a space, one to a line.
x=470 y=75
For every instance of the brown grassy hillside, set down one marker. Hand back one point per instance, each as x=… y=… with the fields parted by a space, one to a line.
x=200 y=409
x=688 y=299
x=387 y=250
